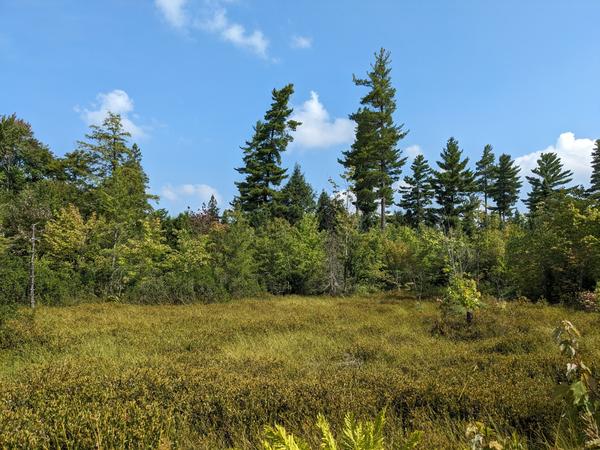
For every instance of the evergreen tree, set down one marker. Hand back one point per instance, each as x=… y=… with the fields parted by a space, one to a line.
x=327 y=211
x=453 y=184
x=505 y=186
x=417 y=193
x=594 y=189
x=484 y=173
x=374 y=162
x=213 y=208
x=262 y=157
x=550 y=177
x=107 y=146
x=297 y=197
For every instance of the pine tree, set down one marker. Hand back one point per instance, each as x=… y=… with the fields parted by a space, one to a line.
x=550 y=177
x=374 y=162
x=484 y=173
x=327 y=211
x=417 y=193
x=262 y=157
x=107 y=146
x=297 y=197
x=453 y=184
x=505 y=186
x=594 y=189
x=212 y=208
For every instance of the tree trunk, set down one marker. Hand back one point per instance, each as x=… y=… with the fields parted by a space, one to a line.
x=382 y=213
x=32 y=269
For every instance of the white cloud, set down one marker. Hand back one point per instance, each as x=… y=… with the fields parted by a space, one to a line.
x=116 y=102
x=173 y=11
x=187 y=15
x=317 y=129
x=575 y=154
x=236 y=33
x=301 y=42
x=412 y=151
x=192 y=195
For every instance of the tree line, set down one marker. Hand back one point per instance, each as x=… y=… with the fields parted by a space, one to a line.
x=100 y=237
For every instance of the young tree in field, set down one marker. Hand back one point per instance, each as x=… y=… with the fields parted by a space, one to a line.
x=484 y=173
x=594 y=189
x=297 y=197
x=549 y=178
x=417 y=193
x=262 y=169
x=505 y=186
x=374 y=162
x=108 y=146
x=453 y=184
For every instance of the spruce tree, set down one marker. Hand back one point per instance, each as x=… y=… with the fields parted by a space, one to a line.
x=505 y=186
x=262 y=169
x=549 y=178
x=374 y=162
x=417 y=193
x=327 y=211
x=594 y=189
x=484 y=173
x=297 y=197
x=212 y=208
x=453 y=184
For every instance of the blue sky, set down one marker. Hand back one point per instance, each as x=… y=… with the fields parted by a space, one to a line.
x=191 y=77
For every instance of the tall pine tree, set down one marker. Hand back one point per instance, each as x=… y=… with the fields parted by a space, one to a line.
x=297 y=197
x=549 y=178
x=258 y=194
x=505 y=186
x=453 y=184
x=594 y=189
x=484 y=173
x=417 y=193
x=374 y=162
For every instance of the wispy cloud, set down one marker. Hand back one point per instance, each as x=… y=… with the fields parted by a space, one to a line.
x=575 y=154
x=235 y=33
x=173 y=12
x=192 y=195
x=318 y=130
x=116 y=102
x=212 y=17
x=301 y=42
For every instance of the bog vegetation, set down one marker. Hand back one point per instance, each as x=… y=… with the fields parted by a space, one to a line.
x=107 y=375
x=81 y=229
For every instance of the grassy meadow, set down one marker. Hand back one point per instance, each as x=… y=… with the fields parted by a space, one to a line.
x=110 y=375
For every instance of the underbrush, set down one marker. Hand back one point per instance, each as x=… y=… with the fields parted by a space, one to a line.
x=212 y=376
